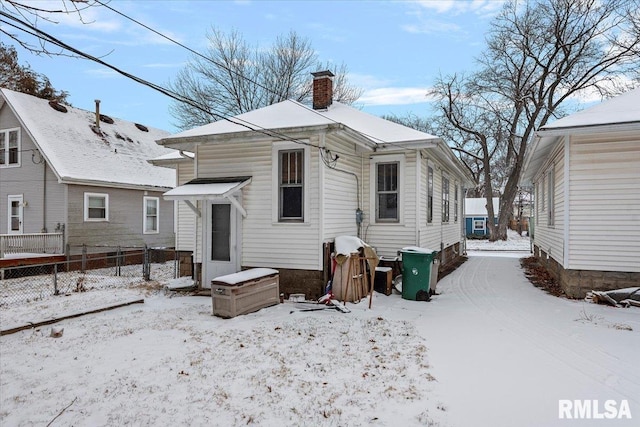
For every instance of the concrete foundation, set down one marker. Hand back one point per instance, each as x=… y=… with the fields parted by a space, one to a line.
x=577 y=283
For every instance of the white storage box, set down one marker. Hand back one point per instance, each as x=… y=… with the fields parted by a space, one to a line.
x=245 y=292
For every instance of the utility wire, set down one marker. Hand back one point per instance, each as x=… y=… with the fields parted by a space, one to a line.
x=230 y=70
x=33 y=31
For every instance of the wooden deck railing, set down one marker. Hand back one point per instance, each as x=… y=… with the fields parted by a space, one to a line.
x=36 y=243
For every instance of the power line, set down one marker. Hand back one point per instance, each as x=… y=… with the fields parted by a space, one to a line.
x=195 y=52
x=228 y=69
x=327 y=158
x=35 y=32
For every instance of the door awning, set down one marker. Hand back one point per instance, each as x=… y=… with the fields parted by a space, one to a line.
x=209 y=189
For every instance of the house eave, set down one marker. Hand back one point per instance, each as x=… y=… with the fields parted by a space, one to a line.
x=189 y=143
x=409 y=145
x=585 y=129
x=126 y=186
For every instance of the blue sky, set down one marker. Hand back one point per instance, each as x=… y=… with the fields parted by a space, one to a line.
x=394 y=50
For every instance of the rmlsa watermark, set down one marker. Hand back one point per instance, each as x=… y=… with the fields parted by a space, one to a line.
x=593 y=409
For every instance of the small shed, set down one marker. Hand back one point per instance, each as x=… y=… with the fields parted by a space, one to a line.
x=476 y=216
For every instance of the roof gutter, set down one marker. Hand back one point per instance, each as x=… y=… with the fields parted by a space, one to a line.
x=184 y=142
x=580 y=130
x=74 y=181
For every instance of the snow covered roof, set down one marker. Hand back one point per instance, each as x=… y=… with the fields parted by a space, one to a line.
x=77 y=154
x=621 y=113
x=623 y=109
x=477 y=206
x=286 y=115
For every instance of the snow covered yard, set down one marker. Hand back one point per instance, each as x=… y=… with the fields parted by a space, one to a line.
x=490 y=350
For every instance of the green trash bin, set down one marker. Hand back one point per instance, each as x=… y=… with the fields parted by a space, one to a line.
x=416 y=273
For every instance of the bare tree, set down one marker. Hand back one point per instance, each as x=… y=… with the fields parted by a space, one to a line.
x=234 y=77
x=22 y=78
x=539 y=55
x=20 y=17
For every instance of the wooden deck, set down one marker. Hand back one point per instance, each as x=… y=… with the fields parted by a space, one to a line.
x=18 y=260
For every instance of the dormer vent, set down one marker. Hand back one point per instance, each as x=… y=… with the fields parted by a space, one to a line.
x=106 y=119
x=57 y=106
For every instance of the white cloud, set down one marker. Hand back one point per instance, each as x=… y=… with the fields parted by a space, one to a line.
x=440 y=16
x=395 y=96
x=455 y=7
x=431 y=26
x=380 y=91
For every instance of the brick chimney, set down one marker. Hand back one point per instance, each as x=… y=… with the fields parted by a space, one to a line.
x=322 y=89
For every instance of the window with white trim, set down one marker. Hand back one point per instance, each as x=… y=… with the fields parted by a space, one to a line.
x=387 y=191
x=429 y=194
x=96 y=207
x=10 y=147
x=455 y=204
x=386 y=178
x=542 y=194
x=551 y=197
x=445 y=198
x=535 y=201
x=150 y=220
x=291 y=185
x=478 y=224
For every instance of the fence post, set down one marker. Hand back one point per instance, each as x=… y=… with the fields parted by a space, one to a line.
x=146 y=268
x=118 y=254
x=84 y=258
x=55 y=279
x=176 y=264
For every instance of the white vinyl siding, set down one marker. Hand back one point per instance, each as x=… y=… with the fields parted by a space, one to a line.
x=388 y=237
x=186 y=218
x=550 y=237
x=340 y=191
x=605 y=202
x=265 y=241
x=438 y=234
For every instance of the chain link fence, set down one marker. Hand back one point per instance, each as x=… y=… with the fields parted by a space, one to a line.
x=85 y=272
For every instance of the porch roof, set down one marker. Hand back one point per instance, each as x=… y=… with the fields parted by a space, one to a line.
x=209 y=189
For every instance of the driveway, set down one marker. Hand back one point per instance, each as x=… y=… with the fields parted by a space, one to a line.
x=505 y=353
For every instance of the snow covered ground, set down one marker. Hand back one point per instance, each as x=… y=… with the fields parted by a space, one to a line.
x=489 y=350
x=514 y=242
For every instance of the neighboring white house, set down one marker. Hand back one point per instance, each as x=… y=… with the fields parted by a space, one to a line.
x=476 y=216
x=273 y=187
x=64 y=171
x=585 y=169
